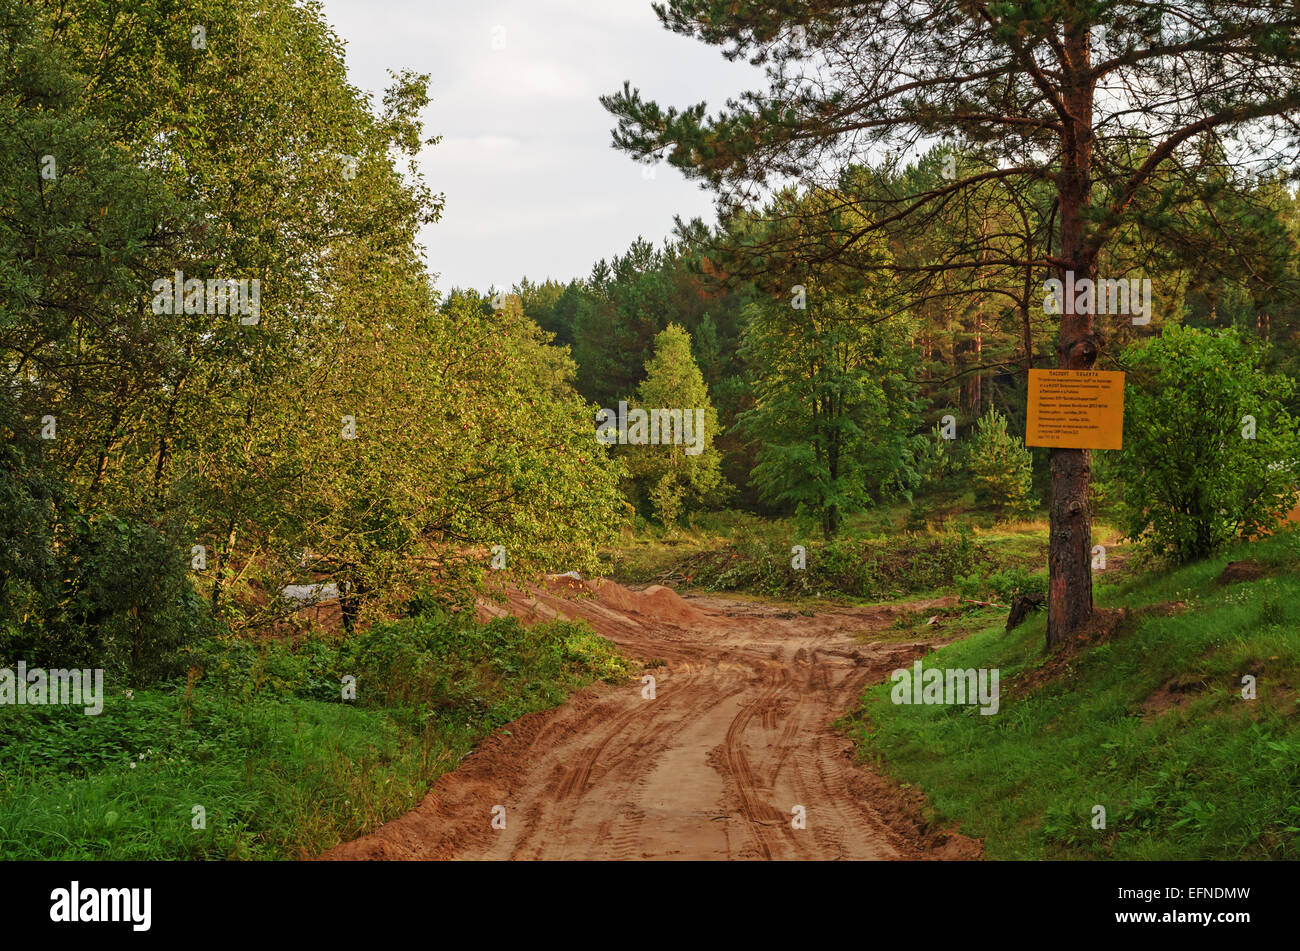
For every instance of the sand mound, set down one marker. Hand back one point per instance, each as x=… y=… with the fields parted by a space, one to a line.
x=667 y=604
x=663 y=604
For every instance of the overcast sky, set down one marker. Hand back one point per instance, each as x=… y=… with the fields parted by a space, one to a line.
x=533 y=186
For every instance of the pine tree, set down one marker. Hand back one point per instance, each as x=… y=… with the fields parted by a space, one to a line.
x=669 y=478
x=1001 y=467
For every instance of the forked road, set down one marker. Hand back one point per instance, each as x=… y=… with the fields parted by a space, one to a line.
x=738 y=735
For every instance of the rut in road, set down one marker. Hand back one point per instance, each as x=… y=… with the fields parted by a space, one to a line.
x=739 y=734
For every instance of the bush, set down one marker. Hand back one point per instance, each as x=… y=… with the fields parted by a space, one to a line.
x=877 y=569
x=1003 y=585
x=123 y=602
x=105 y=592
x=1210 y=452
x=30 y=497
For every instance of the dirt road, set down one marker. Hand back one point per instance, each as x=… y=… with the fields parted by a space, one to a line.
x=737 y=737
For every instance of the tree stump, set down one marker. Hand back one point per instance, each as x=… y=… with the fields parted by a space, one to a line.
x=1021 y=605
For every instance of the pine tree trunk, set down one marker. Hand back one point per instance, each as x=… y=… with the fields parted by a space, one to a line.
x=1069 y=602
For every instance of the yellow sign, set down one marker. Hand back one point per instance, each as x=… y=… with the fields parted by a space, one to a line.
x=1075 y=409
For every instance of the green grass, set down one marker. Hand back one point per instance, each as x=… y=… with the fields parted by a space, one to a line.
x=1213 y=777
x=264 y=742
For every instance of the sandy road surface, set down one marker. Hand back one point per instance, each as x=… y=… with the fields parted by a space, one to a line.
x=738 y=734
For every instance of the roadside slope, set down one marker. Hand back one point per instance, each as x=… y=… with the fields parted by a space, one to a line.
x=1145 y=718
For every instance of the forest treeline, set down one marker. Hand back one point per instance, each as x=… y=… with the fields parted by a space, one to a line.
x=831 y=381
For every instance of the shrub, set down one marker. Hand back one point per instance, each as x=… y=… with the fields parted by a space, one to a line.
x=428 y=667
x=123 y=602
x=1002 y=585
x=1197 y=473
x=877 y=569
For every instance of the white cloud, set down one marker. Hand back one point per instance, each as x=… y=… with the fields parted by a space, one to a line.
x=533 y=187
x=505 y=74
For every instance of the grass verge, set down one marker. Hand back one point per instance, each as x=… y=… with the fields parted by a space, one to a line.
x=261 y=740
x=1147 y=720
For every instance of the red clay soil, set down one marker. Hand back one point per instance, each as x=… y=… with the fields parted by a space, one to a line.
x=738 y=735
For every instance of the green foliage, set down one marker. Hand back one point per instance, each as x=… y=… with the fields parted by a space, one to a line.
x=936 y=459
x=126 y=604
x=875 y=569
x=833 y=411
x=611 y=318
x=107 y=592
x=513 y=460
x=1192 y=481
x=614 y=327
x=670 y=480
x=30 y=502
x=1002 y=585
x=261 y=736
x=227 y=433
x=940 y=479
x=1001 y=467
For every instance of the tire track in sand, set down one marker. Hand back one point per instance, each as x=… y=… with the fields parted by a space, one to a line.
x=738 y=735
